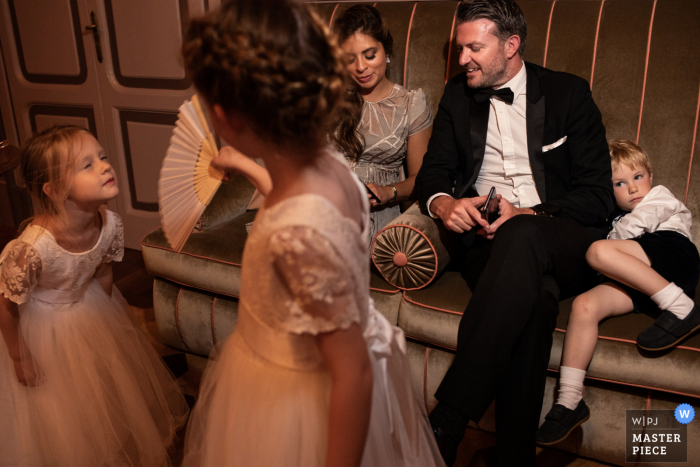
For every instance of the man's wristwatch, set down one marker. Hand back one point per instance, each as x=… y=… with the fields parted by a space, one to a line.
x=541 y=212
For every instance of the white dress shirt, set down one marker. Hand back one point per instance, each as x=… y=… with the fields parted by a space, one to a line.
x=659 y=210
x=506 y=164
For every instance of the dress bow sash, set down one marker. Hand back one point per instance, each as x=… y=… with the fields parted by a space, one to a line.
x=59 y=296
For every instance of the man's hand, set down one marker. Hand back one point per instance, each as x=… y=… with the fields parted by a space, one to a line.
x=459 y=215
x=506 y=210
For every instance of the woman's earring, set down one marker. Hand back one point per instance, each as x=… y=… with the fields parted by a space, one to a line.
x=388 y=60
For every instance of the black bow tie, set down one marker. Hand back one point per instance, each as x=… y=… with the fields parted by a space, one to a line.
x=481 y=95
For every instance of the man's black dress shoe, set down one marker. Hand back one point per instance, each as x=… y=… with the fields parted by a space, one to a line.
x=560 y=422
x=668 y=330
x=447 y=444
x=449 y=426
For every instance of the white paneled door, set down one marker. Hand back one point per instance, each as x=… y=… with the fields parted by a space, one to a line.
x=111 y=66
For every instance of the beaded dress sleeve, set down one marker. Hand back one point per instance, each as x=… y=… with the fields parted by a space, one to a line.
x=419 y=115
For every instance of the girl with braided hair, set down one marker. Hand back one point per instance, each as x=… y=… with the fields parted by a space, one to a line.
x=312 y=375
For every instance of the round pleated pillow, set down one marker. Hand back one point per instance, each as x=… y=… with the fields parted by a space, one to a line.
x=409 y=252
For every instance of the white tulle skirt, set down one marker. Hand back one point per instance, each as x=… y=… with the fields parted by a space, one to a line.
x=105 y=398
x=251 y=412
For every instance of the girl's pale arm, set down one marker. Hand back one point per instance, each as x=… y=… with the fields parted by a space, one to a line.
x=9 y=325
x=26 y=371
x=231 y=160
x=345 y=355
x=417 y=147
x=104 y=277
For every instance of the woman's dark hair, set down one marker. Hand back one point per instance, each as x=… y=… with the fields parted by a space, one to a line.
x=363 y=19
x=506 y=15
x=274 y=62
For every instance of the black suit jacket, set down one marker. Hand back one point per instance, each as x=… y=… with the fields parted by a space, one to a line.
x=573 y=180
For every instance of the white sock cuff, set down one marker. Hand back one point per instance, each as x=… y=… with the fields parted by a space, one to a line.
x=665 y=297
x=570 y=387
x=573 y=375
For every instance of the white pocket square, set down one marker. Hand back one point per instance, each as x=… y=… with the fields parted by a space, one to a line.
x=555 y=144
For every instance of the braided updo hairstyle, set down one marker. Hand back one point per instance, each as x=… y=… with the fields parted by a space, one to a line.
x=274 y=62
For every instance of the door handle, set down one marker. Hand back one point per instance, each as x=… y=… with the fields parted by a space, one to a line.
x=96 y=35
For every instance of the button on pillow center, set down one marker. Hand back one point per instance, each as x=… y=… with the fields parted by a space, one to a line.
x=400 y=259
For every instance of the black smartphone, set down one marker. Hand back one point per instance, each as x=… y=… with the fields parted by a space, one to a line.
x=489 y=211
x=372 y=195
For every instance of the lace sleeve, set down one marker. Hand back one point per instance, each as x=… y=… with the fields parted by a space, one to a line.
x=115 y=251
x=19 y=267
x=318 y=280
x=419 y=115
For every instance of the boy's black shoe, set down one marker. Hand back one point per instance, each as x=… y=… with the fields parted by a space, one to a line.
x=560 y=422
x=668 y=330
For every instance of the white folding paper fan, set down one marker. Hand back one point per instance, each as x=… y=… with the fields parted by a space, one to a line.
x=187 y=182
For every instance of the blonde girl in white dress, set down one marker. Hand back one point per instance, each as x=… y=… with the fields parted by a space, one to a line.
x=312 y=375
x=81 y=386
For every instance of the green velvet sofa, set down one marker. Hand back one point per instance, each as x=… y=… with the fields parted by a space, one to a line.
x=639 y=57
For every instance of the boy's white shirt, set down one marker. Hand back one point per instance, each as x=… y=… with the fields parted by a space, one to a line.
x=659 y=210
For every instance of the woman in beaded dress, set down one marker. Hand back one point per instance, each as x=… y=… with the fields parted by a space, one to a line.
x=386 y=124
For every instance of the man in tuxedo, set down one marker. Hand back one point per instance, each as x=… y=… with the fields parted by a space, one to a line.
x=537 y=137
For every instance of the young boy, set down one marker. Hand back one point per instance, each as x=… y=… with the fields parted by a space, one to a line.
x=649 y=264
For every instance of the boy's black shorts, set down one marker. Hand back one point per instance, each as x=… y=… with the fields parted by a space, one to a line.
x=674 y=257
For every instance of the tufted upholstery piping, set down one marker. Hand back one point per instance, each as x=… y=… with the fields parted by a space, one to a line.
x=177 y=321
x=213 y=332
x=450 y=46
x=628 y=341
x=330 y=23
x=692 y=151
x=408 y=38
x=646 y=68
x=431 y=307
x=549 y=28
x=425 y=379
x=188 y=254
x=595 y=44
x=649 y=388
x=182 y=284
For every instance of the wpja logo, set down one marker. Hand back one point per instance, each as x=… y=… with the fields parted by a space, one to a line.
x=658 y=435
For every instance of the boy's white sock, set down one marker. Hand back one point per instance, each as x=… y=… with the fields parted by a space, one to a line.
x=673 y=299
x=570 y=386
